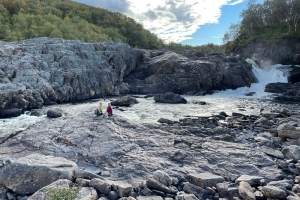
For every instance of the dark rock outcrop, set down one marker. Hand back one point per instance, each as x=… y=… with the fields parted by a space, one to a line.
x=285 y=51
x=172 y=72
x=54 y=113
x=124 y=101
x=169 y=97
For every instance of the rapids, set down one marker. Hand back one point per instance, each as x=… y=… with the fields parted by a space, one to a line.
x=147 y=111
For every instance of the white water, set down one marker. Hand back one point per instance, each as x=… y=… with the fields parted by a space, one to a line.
x=147 y=111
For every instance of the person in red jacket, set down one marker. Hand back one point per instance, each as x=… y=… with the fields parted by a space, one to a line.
x=109 y=110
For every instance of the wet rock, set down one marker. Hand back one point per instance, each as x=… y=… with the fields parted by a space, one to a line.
x=277 y=87
x=39 y=170
x=54 y=113
x=124 y=101
x=273 y=192
x=205 y=179
x=167 y=121
x=162 y=177
x=169 y=97
x=245 y=191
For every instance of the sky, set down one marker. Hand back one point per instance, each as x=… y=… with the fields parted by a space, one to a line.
x=192 y=22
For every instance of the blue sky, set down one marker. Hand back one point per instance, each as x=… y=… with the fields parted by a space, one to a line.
x=193 y=22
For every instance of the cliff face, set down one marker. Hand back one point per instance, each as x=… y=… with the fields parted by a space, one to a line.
x=45 y=71
x=284 y=51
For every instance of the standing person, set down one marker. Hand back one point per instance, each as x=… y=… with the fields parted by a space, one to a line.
x=98 y=111
x=109 y=110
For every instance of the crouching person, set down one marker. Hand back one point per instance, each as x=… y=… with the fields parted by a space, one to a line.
x=98 y=111
x=109 y=111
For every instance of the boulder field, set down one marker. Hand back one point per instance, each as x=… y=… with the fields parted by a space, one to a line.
x=45 y=71
x=222 y=156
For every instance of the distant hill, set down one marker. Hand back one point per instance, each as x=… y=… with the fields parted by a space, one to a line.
x=24 y=19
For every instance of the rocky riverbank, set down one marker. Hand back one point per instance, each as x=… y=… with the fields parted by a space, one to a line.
x=205 y=157
x=45 y=71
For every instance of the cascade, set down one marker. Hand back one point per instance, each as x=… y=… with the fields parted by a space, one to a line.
x=272 y=74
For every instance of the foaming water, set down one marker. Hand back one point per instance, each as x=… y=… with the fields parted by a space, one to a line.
x=274 y=74
x=18 y=123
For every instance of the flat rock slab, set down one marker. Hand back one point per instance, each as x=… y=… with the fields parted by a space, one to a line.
x=251 y=180
x=205 y=179
x=124 y=150
x=149 y=198
x=36 y=169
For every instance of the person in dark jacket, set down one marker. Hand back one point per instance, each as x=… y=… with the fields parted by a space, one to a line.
x=109 y=111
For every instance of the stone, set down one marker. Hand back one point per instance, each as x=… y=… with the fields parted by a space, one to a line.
x=287 y=184
x=273 y=192
x=169 y=97
x=156 y=185
x=197 y=191
x=291 y=152
x=149 y=198
x=228 y=190
x=87 y=193
x=245 y=191
x=296 y=188
x=123 y=189
x=55 y=186
x=263 y=120
x=205 y=179
x=82 y=182
x=39 y=170
x=85 y=174
x=162 y=177
x=113 y=195
x=124 y=101
x=286 y=130
x=252 y=180
x=3 y=192
x=184 y=196
x=54 y=113
x=101 y=186
x=272 y=152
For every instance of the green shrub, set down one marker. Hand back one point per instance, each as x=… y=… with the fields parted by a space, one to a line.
x=62 y=193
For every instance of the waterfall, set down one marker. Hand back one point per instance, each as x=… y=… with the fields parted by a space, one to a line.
x=272 y=74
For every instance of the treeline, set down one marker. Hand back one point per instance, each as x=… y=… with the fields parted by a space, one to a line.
x=273 y=19
x=23 y=19
x=206 y=48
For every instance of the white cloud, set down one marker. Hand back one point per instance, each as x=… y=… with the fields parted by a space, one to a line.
x=171 y=20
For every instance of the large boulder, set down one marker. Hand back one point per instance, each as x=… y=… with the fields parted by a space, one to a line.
x=286 y=130
x=124 y=101
x=28 y=174
x=169 y=97
x=54 y=113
